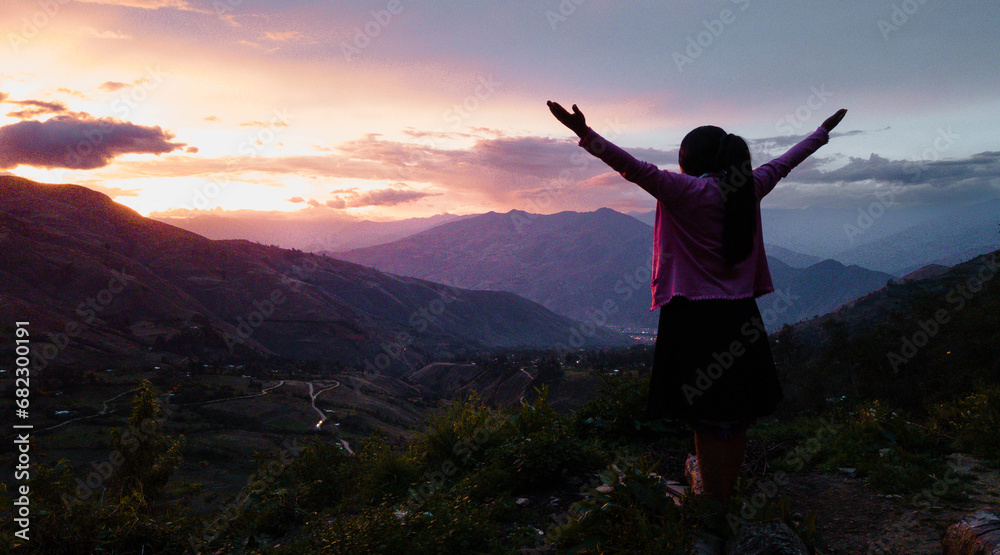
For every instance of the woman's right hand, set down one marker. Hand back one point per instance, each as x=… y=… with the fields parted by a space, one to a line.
x=575 y=121
x=833 y=120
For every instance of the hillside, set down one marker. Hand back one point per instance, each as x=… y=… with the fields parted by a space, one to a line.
x=920 y=341
x=573 y=263
x=814 y=290
x=115 y=286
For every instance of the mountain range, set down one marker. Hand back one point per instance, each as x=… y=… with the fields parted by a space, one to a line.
x=579 y=263
x=887 y=237
x=328 y=233
x=881 y=236
x=101 y=284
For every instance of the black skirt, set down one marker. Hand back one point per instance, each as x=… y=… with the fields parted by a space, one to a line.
x=712 y=362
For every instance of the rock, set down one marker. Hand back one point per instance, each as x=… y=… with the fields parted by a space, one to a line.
x=766 y=538
x=978 y=534
x=708 y=545
x=676 y=492
x=522 y=501
x=849 y=471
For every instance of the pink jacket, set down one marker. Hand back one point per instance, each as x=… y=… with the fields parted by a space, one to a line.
x=687 y=242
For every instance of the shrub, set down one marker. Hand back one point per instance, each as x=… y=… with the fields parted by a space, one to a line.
x=972 y=423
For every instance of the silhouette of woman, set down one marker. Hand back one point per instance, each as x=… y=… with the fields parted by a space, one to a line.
x=712 y=364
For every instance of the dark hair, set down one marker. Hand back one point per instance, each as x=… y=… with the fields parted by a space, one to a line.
x=709 y=149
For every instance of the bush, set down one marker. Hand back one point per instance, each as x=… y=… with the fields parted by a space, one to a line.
x=618 y=414
x=460 y=435
x=972 y=423
x=544 y=450
x=893 y=454
x=632 y=513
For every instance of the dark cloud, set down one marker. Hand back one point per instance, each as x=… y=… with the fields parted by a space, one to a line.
x=37 y=108
x=191 y=150
x=3 y=96
x=777 y=145
x=75 y=142
x=982 y=167
x=914 y=182
x=390 y=196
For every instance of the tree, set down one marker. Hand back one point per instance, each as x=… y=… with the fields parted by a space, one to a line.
x=146 y=457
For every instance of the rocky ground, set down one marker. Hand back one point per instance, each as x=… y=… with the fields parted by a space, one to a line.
x=853 y=518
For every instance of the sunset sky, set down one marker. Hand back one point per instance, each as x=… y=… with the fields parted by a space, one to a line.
x=402 y=108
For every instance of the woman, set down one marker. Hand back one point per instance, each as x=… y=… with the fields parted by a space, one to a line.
x=712 y=364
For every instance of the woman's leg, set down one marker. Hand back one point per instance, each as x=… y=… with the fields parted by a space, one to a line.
x=720 y=456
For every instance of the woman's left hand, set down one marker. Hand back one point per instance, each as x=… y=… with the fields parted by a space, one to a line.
x=575 y=121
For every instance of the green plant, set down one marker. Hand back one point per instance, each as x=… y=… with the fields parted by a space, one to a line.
x=617 y=414
x=972 y=422
x=630 y=512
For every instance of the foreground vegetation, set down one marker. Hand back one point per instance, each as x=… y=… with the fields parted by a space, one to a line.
x=490 y=480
